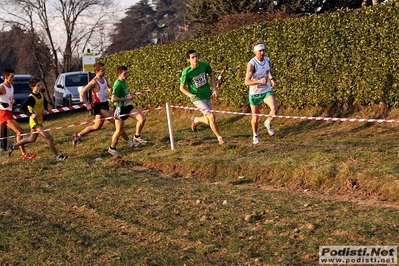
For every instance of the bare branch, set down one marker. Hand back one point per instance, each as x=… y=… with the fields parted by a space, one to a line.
x=69 y=26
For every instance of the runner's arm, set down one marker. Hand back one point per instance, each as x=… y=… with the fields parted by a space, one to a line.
x=186 y=92
x=108 y=85
x=213 y=81
x=84 y=91
x=272 y=80
x=2 y=91
x=45 y=105
x=115 y=98
x=30 y=101
x=248 y=77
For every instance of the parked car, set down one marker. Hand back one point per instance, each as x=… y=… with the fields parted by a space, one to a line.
x=66 y=87
x=21 y=90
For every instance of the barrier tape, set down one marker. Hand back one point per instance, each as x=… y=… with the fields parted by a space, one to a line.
x=56 y=110
x=79 y=106
x=294 y=117
x=81 y=123
x=219 y=80
x=334 y=119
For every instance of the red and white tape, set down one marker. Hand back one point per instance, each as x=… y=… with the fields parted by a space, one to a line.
x=57 y=110
x=82 y=123
x=366 y=120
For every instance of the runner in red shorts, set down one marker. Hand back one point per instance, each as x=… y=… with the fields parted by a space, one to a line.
x=6 y=117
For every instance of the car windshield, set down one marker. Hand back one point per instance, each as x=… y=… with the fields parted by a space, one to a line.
x=21 y=86
x=76 y=80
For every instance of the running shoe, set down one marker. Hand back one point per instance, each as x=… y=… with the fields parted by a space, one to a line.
x=222 y=140
x=255 y=140
x=269 y=127
x=133 y=143
x=28 y=156
x=10 y=149
x=112 y=151
x=75 y=138
x=140 y=140
x=61 y=157
x=193 y=124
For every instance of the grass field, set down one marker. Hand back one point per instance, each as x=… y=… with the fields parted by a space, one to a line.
x=314 y=183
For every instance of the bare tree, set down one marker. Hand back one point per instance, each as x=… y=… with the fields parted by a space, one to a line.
x=68 y=26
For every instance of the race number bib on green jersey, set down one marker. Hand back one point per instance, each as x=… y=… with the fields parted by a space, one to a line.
x=199 y=80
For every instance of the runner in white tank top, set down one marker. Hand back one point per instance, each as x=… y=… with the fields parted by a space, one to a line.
x=6 y=99
x=5 y=104
x=259 y=78
x=261 y=69
x=6 y=116
x=101 y=95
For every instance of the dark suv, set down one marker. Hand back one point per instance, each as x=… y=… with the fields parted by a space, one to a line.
x=21 y=90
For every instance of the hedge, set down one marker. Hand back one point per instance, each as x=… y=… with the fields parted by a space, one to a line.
x=346 y=57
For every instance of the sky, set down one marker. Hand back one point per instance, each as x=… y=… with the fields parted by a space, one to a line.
x=128 y=3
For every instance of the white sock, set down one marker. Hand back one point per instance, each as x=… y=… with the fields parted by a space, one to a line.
x=196 y=120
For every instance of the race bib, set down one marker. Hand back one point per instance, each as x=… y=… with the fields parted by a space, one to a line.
x=199 y=80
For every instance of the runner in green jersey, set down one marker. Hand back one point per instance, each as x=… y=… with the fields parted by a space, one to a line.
x=124 y=109
x=194 y=83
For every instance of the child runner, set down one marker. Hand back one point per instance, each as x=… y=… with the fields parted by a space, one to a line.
x=35 y=106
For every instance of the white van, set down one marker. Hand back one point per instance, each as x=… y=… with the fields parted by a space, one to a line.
x=66 y=86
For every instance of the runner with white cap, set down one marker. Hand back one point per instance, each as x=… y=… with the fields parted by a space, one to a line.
x=260 y=80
